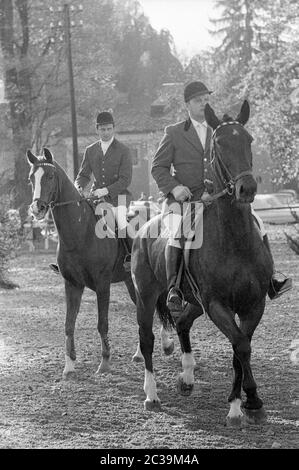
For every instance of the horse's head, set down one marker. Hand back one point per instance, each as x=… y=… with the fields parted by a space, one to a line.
x=43 y=181
x=232 y=156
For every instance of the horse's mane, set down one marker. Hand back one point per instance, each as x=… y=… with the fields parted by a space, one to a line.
x=61 y=170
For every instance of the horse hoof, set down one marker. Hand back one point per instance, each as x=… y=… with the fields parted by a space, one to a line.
x=235 y=422
x=169 y=350
x=137 y=359
x=255 y=416
x=154 y=405
x=69 y=375
x=183 y=388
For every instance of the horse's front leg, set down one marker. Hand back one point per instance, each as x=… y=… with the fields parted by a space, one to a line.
x=73 y=296
x=184 y=322
x=253 y=406
x=240 y=339
x=103 y=297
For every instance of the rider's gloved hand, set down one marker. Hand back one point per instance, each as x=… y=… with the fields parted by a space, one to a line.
x=181 y=193
x=100 y=192
x=209 y=186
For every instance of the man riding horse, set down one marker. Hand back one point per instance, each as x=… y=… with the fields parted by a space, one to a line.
x=180 y=168
x=109 y=161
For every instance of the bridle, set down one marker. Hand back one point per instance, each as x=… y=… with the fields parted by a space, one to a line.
x=52 y=204
x=220 y=170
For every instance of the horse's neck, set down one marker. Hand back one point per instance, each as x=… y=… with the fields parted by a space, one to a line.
x=234 y=220
x=70 y=216
x=67 y=191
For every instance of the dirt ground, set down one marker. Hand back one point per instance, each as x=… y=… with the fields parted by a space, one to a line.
x=38 y=410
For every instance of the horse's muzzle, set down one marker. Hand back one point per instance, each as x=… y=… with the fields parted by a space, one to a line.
x=38 y=208
x=245 y=189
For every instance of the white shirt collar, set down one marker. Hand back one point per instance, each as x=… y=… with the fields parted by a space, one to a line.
x=106 y=144
x=197 y=123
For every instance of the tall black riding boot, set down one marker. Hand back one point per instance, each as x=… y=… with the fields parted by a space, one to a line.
x=175 y=297
x=276 y=288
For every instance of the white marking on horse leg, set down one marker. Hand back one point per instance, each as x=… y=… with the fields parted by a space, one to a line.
x=37 y=183
x=150 y=388
x=235 y=409
x=188 y=364
x=69 y=365
x=166 y=340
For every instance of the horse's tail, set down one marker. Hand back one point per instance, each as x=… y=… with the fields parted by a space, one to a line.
x=164 y=312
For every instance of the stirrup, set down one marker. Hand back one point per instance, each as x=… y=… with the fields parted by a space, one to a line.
x=127 y=263
x=175 y=299
x=283 y=286
x=54 y=268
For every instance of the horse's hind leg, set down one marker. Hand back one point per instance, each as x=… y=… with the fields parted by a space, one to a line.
x=146 y=304
x=167 y=343
x=131 y=289
x=73 y=299
x=225 y=321
x=103 y=297
x=184 y=322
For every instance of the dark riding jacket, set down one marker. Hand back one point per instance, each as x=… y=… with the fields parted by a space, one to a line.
x=112 y=170
x=181 y=159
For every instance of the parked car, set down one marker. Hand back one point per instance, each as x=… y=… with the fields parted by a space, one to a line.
x=277 y=208
x=287 y=196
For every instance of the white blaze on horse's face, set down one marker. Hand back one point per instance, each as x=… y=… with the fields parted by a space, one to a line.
x=37 y=183
x=37 y=178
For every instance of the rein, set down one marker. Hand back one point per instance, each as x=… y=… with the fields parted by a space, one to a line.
x=54 y=204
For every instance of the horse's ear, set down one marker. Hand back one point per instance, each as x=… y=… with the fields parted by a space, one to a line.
x=211 y=118
x=30 y=157
x=243 y=116
x=48 y=155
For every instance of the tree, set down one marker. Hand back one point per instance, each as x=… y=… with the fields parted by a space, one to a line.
x=115 y=52
x=257 y=59
x=237 y=28
x=268 y=84
x=146 y=56
x=14 y=38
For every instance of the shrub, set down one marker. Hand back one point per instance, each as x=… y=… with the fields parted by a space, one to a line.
x=10 y=238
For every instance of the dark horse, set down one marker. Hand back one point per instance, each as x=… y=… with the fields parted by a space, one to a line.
x=83 y=258
x=232 y=270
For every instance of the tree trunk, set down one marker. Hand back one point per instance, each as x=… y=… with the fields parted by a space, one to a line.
x=17 y=85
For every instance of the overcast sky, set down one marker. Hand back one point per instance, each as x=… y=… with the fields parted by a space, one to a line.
x=187 y=21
